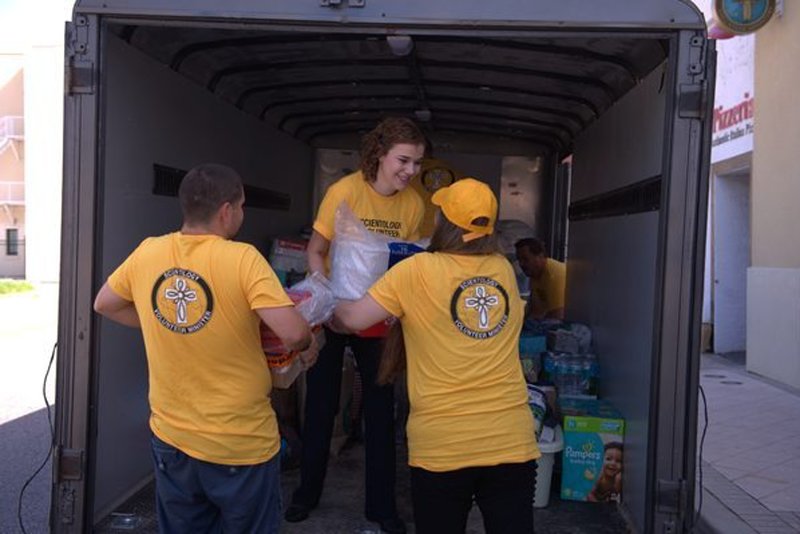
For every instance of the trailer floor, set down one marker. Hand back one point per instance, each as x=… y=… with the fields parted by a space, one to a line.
x=340 y=510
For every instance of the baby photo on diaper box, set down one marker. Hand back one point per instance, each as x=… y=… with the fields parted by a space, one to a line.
x=593 y=451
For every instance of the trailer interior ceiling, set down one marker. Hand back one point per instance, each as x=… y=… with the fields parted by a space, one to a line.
x=327 y=89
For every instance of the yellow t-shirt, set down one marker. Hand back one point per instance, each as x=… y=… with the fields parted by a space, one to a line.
x=434 y=175
x=398 y=215
x=547 y=293
x=209 y=380
x=461 y=318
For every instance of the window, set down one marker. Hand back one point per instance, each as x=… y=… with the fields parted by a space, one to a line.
x=12 y=242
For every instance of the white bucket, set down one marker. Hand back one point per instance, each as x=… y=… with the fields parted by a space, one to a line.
x=544 y=468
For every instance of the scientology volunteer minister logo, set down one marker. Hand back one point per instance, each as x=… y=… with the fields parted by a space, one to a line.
x=182 y=301
x=479 y=307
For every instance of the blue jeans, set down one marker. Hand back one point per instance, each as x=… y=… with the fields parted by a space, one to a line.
x=193 y=496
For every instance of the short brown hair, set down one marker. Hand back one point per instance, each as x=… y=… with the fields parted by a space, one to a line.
x=389 y=132
x=535 y=245
x=205 y=188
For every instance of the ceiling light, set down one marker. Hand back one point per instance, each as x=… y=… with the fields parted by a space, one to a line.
x=401 y=45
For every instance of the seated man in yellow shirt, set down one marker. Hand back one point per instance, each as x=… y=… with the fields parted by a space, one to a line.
x=548 y=279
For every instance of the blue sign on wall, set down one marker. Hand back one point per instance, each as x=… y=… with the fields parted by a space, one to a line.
x=743 y=16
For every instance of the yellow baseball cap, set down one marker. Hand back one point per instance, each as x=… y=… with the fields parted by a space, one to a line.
x=466 y=200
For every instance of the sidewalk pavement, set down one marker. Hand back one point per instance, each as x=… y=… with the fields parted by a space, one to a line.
x=750 y=460
x=28 y=330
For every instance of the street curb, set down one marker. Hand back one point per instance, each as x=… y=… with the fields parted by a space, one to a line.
x=716 y=518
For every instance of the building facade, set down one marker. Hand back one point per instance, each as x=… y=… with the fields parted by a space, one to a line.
x=773 y=278
x=752 y=286
x=12 y=167
x=31 y=137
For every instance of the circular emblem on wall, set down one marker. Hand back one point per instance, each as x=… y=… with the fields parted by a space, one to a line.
x=182 y=301
x=743 y=16
x=436 y=178
x=479 y=307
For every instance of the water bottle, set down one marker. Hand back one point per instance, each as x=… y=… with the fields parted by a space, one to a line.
x=570 y=369
x=589 y=375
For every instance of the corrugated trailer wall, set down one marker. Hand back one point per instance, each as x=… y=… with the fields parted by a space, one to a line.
x=612 y=265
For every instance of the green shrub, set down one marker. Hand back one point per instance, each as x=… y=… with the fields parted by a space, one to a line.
x=14 y=286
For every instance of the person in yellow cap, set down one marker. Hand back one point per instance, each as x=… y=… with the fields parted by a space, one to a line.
x=470 y=430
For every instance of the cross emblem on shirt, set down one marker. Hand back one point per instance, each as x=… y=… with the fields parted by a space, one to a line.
x=180 y=294
x=483 y=303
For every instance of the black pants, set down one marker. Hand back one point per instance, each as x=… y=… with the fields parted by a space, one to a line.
x=504 y=493
x=323 y=383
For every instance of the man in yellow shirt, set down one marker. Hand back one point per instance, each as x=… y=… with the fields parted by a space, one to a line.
x=548 y=279
x=198 y=298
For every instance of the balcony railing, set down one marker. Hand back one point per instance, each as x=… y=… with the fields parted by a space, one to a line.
x=12 y=126
x=12 y=193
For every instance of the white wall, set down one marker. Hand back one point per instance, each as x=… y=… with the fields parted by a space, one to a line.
x=44 y=125
x=731 y=260
x=773 y=323
x=732 y=137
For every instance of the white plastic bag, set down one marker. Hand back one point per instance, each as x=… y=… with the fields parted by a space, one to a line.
x=314 y=300
x=318 y=308
x=358 y=257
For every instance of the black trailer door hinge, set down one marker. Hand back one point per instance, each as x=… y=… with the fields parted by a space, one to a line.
x=671 y=497
x=70 y=464
x=692 y=100
x=80 y=78
x=79 y=74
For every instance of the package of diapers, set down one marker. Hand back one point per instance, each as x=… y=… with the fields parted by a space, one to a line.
x=593 y=450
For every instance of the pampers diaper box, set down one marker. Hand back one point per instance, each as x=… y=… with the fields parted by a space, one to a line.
x=593 y=452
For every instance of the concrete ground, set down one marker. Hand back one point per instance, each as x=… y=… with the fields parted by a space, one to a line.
x=28 y=330
x=751 y=467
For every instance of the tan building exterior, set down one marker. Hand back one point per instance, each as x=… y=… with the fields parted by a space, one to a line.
x=773 y=279
x=12 y=167
x=32 y=45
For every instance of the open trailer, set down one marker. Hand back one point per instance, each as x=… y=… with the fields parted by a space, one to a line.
x=608 y=102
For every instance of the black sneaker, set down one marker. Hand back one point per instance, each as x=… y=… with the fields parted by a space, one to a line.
x=296 y=513
x=393 y=525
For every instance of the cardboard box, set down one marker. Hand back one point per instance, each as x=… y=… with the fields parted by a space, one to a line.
x=593 y=455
